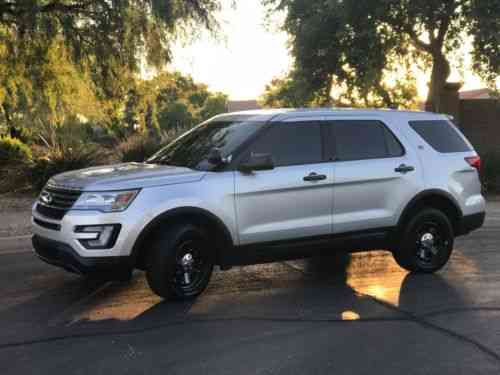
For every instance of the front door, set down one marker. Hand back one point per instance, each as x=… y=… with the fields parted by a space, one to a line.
x=292 y=201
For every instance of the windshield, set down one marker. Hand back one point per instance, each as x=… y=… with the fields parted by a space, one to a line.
x=192 y=148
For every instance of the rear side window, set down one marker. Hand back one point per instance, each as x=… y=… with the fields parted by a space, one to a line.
x=441 y=135
x=291 y=143
x=364 y=139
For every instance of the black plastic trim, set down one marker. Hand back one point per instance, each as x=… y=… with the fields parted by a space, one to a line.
x=471 y=222
x=225 y=244
x=427 y=193
x=111 y=242
x=365 y=240
x=63 y=255
x=46 y=224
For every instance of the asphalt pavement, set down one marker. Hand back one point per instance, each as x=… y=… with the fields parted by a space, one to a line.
x=342 y=314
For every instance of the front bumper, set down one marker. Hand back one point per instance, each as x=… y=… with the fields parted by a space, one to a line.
x=64 y=256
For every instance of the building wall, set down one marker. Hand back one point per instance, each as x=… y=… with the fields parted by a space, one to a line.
x=479 y=120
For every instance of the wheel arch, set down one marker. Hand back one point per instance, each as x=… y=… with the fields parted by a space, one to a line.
x=434 y=198
x=193 y=215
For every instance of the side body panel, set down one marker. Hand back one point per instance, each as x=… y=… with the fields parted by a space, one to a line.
x=448 y=172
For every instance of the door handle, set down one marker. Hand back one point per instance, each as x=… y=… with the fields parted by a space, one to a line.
x=314 y=177
x=403 y=168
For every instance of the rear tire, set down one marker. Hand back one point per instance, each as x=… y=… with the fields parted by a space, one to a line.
x=426 y=243
x=180 y=262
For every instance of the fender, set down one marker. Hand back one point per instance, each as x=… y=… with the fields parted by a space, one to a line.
x=224 y=239
x=430 y=193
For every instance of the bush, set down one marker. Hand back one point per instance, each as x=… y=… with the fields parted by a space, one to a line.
x=141 y=146
x=15 y=159
x=13 y=150
x=64 y=148
x=138 y=147
x=60 y=158
x=490 y=172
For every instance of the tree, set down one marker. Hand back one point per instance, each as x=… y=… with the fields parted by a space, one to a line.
x=287 y=92
x=169 y=101
x=359 y=44
x=105 y=43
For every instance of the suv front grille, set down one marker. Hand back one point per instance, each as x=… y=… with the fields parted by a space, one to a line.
x=58 y=201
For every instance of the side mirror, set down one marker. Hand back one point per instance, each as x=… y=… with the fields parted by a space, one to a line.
x=257 y=162
x=215 y=156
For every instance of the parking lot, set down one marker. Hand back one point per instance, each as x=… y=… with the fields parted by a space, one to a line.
x=347 y=314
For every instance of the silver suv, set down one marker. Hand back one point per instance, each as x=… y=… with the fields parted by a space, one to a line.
x=249 y=187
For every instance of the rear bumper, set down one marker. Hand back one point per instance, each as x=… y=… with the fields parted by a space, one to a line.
x=471 y=222
x=62 y=255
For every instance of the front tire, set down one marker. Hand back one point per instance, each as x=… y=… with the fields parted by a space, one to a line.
x=426 y=243
x=180 y=263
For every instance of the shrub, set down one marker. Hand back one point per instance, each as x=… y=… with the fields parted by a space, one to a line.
x=64 y=148
x=15 y=158
x=141 y=146
x=138 y=147
x=13 y=150
x=58 y=159
x=490 y=172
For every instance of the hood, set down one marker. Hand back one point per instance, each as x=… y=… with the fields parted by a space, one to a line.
x=125 y=176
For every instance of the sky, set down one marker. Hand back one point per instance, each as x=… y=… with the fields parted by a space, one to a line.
x=249 y=55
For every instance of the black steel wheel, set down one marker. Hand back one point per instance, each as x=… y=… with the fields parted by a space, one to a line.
x=426 y=243
x=180 y=263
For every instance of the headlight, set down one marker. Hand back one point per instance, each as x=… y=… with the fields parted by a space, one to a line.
x=105 y=201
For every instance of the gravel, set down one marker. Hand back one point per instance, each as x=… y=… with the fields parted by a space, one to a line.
x=15 y=214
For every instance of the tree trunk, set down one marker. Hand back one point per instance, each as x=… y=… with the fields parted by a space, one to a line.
x=384 y=94
x=440 y=73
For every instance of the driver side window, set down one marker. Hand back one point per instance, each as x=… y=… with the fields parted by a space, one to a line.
x=291 y=143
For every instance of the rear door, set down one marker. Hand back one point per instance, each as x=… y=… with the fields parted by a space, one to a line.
x=374 y=174
x=293 y=200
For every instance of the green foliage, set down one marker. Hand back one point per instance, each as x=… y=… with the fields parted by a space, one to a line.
x=490 y=172
x=484 y=25
x=65 y=148
x=288 y=92
x=15 y=160
x=62 y=58
x=170 y=101
x=70 y=78
x=12 y=150
x=359 y=46
x=140 y=146
x=63 y=159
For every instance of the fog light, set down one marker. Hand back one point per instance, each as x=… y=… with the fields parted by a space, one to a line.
x=100 y=236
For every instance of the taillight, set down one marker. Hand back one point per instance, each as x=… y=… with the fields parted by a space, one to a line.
x=474 y=161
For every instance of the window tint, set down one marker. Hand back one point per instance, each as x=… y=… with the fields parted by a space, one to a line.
x=441 y=135
x=291 y=143
x=394 y=148
x=360 y=139
x=191 y=150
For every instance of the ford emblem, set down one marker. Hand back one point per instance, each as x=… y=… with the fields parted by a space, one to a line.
x=46 y=197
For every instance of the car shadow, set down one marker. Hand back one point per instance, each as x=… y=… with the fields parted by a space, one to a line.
x=327 y=288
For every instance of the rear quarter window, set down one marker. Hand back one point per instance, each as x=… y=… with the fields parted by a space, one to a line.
x=441 y=135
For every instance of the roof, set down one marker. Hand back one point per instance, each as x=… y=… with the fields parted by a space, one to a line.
x=242 y=105
x=475 y=94
x=287 y=114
